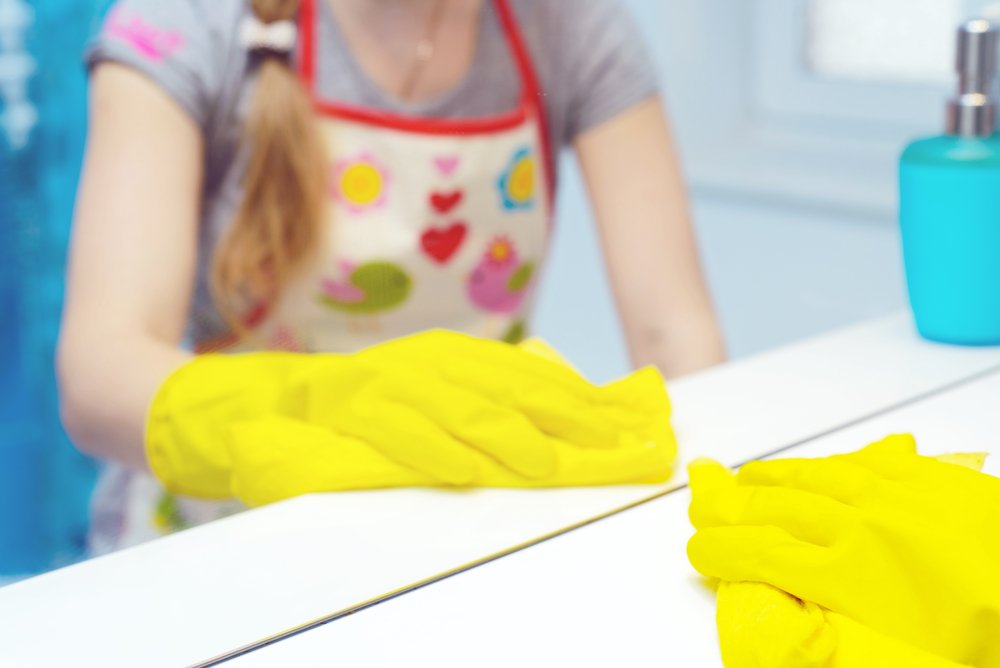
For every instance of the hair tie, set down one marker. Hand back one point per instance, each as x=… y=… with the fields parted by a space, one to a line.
x=276 y=37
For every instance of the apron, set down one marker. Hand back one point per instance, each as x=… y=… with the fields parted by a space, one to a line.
x=433 y=223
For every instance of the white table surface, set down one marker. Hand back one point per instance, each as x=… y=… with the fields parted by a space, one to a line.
x=619 y=592
x=203 y=592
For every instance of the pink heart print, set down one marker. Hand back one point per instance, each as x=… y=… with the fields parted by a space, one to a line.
x=446 y=164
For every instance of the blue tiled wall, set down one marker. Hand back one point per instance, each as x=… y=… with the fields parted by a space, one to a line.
x=44 y=484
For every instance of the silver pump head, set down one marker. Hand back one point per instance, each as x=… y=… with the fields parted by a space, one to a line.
x=972 y=112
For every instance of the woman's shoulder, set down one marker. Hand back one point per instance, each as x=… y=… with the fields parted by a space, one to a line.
x=189 y=18
x=566 y=32
x=210 y=12
x=188 y=47
x=591 y=57
x=567 y=15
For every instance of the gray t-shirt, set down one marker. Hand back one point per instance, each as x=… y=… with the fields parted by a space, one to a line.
x=589 y=59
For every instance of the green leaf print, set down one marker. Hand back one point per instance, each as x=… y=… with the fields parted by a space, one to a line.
x=522 y=277
x=168 y=516
x=381 y=287
x=517 y=333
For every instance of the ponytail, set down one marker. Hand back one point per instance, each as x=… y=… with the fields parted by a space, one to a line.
x=279 y=222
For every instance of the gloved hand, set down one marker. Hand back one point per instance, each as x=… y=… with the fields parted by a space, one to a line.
x=900 y=546
x=437 y=408
x=761 y=626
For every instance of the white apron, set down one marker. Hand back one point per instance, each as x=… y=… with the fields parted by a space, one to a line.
x=433 y=223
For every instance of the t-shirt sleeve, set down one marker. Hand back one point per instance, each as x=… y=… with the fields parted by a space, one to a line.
x=608 y=63
x=176 y=43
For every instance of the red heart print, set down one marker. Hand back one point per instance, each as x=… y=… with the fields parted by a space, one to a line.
x=442 y=244
x=445 y=202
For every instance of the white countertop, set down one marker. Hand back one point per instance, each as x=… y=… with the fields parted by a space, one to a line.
x=619 y=589
x=618 y=592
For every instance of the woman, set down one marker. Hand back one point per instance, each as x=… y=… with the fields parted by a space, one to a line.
x=325 y=175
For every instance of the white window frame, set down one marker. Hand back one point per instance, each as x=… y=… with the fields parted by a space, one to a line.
x=786 y=87
x=755 y=122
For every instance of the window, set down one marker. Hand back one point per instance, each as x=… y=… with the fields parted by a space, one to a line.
x=808 y=100
x=882 y=41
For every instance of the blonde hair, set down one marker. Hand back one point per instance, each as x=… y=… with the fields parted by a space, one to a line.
x=279 y=222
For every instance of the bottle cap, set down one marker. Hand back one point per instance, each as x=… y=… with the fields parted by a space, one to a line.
x=972 y=112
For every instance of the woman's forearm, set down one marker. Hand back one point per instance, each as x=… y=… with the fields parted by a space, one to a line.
x=681 y=346
x=132 y=264
x=106 y=388
x=638 y=194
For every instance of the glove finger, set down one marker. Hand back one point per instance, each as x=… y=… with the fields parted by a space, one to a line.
x=553 y=396
x=839 y=478
x=893 y=458
x=439 y=347
x=862 y=647
x=541 y=348
x=580 y=467
x=484 y=425
x=508 y=358
x=640 y=404
x=904 y=444
x=638 y=396
x=634 y=408
x=931 y=471
x=549 y=406
x=409 y=438
x=706 y=478
x=760 y=554
x=808 y=517
x=641 y=396
x=557 y=398
x=707 y=475
x=562 y=415
x=276 y=458
x=636 y=463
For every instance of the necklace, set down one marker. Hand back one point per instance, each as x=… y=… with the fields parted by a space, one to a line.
x=424 y=51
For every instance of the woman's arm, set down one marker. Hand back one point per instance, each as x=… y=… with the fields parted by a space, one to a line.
x=638 y=195
x=132 y=262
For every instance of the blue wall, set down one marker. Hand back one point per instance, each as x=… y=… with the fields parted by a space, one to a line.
x=780 y=268
x=44 y=484
x=22 y=538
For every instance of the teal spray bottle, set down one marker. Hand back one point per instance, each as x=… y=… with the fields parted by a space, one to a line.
x=950 y=206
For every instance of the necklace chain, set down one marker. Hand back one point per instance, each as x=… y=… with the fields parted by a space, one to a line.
x=423 y=52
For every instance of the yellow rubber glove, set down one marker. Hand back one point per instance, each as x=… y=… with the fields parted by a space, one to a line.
x=902 y=546
x=437 y=408
x=761 y=626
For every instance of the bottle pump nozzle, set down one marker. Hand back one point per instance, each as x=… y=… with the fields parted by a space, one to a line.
x=972 y=113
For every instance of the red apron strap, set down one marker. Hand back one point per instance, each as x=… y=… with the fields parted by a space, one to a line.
x=532 y=89
x=532 y=93
x=307 y=44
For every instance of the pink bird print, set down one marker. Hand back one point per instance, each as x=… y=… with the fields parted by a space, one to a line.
x=368 y=288
x=500 y=282
x=344 y=291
